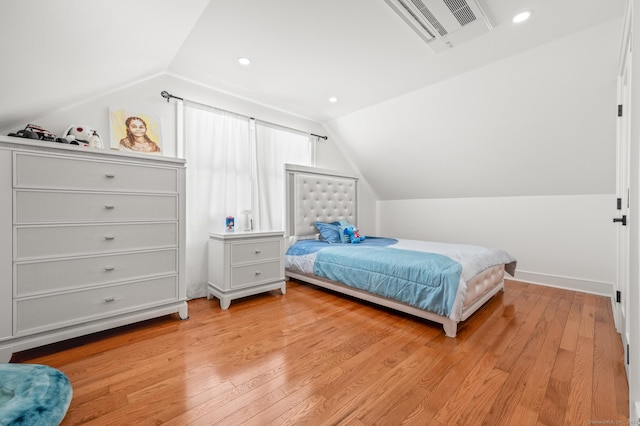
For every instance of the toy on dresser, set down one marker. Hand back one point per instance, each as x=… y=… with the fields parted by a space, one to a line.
x=32 y=131
x=82 y=135
x=74 y=135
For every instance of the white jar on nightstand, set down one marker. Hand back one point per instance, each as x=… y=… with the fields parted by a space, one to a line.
x=245 y=263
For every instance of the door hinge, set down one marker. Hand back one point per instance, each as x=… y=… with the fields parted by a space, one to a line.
x=627 y=354
x=618 y=296
x=619 y=110
x=622 y=220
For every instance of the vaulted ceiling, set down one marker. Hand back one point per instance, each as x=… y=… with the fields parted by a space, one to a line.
x=57 y=53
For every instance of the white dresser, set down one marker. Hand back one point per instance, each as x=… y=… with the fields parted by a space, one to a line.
x=89 y=240
x=245 y=263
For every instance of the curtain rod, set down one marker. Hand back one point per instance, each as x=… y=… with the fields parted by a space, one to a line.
x=168 y=96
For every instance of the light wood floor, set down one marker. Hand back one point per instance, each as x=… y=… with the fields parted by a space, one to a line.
x=532 y=355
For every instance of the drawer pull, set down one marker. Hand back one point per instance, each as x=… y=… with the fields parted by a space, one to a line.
x=110 y=176
x=258 y=273
x=109 y=268
x=258 y=251
x=109 y=238
x=109 y=207
x=109 y=299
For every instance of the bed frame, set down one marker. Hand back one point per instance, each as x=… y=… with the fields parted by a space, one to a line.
x=314 y=194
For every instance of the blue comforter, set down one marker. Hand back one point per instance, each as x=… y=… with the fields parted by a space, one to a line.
x=428 y=281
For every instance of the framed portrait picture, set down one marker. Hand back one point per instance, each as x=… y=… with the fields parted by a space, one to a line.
x=135 y=131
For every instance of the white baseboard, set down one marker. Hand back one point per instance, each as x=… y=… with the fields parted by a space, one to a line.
x=567 y=283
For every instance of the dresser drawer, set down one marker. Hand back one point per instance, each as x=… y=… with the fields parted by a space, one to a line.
x=252 y=274
x=59 y=206
x=47 y=241
x=64 y=274
x=38 y=171
x=53 y=311
x=255 y=250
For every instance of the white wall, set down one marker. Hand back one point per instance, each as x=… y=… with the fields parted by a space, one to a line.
x=563 y=241
x=519 y=154
x=145 y=96
x=541 y=122
x=554 y=139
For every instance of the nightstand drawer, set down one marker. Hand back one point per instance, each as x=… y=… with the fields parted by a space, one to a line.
x=57 y=310
x=255 y=251
x=59 y=206
x=248 y=275
x=36 y=171
x=65 y=274
x=67 y=240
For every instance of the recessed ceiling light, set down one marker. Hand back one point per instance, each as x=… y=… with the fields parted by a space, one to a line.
x=521 y=17
x=244 y=61
x=333 y=99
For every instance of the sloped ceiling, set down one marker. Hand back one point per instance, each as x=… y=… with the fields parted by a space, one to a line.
x=306 y=51
x=57 y=53
x=542 y=122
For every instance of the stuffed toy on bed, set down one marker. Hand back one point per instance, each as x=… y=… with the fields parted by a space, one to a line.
x=353 y=234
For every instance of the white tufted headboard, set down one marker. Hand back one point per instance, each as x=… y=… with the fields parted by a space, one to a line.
x=318 y=195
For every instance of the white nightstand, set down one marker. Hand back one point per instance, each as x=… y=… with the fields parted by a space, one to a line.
x=245 y=263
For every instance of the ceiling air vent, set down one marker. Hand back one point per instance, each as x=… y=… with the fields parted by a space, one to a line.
x=443 y=23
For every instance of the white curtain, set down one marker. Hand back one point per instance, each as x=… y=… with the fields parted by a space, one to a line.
x=233 y=164
x=276 y=146
x=217 y=150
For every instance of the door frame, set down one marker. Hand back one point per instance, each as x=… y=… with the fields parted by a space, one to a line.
x=621 y=299
x=631 y=334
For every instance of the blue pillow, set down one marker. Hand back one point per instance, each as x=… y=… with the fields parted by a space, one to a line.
x=330 y=231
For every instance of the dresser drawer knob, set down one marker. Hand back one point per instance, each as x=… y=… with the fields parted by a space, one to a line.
x=258 y=251
x=109 y=268
x=109 y=207
x=258 y=273
x=110 y=176
x=109 y=238
x=109 y=299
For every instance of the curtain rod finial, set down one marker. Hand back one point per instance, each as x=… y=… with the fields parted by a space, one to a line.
x=168 y=96
x=320 y=137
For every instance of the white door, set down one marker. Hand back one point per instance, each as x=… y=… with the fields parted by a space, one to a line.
x=621 y=296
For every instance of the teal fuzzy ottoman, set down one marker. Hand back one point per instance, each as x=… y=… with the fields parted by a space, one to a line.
x=32 y=394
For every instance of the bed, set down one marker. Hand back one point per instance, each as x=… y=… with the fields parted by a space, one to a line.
x=441 y=282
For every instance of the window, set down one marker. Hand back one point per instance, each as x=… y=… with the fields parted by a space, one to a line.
x=234 y=163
